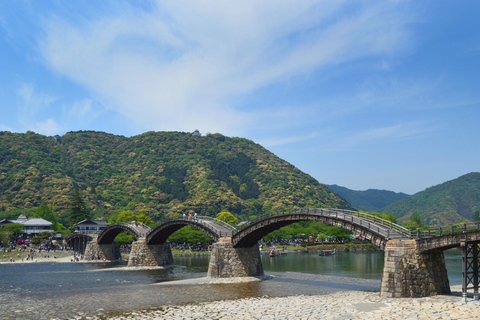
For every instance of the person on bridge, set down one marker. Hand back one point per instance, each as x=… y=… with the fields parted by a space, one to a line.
x=195 y=217
x=189 y=216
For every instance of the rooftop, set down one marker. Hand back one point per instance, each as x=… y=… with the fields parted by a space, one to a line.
x=37 y=222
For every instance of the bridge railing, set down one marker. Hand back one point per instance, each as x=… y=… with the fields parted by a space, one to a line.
x=220 y=222
x=446 y=230
x=363 y=218
x=138 y=226
x=389 y=225
x=204 y=223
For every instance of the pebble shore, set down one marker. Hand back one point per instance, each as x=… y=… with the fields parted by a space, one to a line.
x=336 y=306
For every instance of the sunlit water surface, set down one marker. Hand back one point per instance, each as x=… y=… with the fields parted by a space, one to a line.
x=66 y=290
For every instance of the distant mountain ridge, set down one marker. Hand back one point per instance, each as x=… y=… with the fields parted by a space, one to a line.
x=371 y=200
x=162 y=173
x=449 y=202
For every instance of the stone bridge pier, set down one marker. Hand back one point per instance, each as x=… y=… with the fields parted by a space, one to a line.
x=227 y=261
x=408 y=272
x=143 y=255
x=95 y=251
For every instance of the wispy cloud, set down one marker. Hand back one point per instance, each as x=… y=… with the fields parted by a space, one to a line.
x=31 y=106
x=410 y=130
x=4 y=127
x=273 y=142
x=32 y=102
x=48 y=127
x=49 y=115
x=181 y=67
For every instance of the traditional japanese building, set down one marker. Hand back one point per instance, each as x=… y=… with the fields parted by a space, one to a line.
x=88 y=226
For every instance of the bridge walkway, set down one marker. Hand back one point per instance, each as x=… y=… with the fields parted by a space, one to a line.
x=223 y=229
x=141 y=230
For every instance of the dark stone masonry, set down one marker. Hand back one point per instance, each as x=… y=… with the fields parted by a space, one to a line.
x=95 y=251
x=227 y=261
x=408 y=272
x=153 y=255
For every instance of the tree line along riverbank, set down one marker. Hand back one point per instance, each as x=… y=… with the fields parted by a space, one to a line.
x=338 y=246
x=21 y=256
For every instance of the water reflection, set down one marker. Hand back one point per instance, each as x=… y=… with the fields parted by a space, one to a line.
x=49 y=290
x=366 y=265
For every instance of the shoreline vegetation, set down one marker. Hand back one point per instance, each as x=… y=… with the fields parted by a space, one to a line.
x=346 y=247
x=310 y=248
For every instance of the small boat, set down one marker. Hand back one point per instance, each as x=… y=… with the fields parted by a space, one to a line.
x=274 y=252
x=327 y=252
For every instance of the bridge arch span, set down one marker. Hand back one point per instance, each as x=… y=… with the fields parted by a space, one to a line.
x=161 y=233
x=78 y=242
x=74 y=236
x=109 y=234
x=377 y=230
x=448 y=241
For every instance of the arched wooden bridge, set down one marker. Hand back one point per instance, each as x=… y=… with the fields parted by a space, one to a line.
x=78 y=242
x=405 y=250
x=213 y=227
x=371 y=227
x=108 y=235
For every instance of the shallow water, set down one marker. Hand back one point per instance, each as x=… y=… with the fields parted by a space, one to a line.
x=66 y=290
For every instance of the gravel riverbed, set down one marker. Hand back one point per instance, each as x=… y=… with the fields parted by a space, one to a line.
x=339 y=305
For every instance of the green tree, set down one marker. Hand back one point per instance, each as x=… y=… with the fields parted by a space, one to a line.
x=384 y=216
x=190 y=235
x=416 y=218
x=129 y=216
x=255 y=207
x=476 y=216
x=227 y=217
x=40 y=238
x=44 y=212
x=78 y=209
x=414 y=222
x=8 y=233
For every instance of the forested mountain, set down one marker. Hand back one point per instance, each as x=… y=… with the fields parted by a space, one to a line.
x=156 y=172
x=449 y=202
x=368 y=200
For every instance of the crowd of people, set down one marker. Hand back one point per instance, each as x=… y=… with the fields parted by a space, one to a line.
x=295 y=242
x=188 y=247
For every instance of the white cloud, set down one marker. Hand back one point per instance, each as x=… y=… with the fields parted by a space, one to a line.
x=414 y=129
x=31 y=106
x=181 y=66
x=32 y=102
x=49 y=127
x=49 y=115
x=6 y=128
x=273 y=142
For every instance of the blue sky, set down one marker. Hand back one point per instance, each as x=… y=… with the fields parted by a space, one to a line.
x=363 y=94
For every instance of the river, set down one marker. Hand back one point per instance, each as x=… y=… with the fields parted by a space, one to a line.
x=68 y=290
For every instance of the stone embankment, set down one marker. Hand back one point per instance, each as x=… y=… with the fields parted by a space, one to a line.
x=340 y=305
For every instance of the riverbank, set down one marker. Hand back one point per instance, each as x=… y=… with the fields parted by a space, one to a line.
x=347 y=247
x=44 y=256
x=339 y=305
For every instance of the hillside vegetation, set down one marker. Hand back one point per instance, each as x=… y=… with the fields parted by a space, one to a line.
x=158 y=173
x=450 y=202
x=368 y=200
